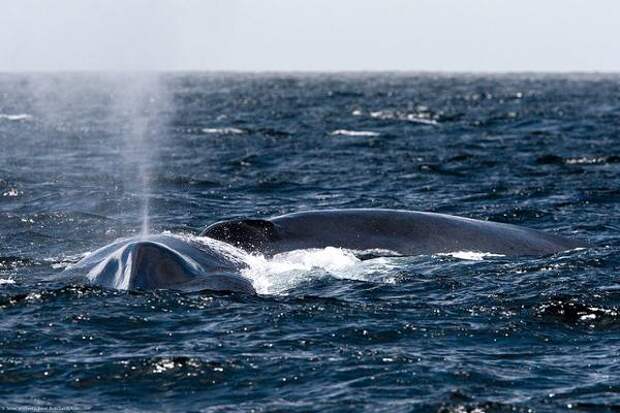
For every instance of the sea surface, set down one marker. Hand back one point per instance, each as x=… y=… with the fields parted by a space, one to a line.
x=86 y=158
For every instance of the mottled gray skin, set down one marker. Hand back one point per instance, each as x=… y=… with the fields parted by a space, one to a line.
x=403 y=232
x=160 y=262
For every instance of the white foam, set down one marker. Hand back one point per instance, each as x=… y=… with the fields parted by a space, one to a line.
x=282 y=272
x=421 y=117
x=470 y=255
x=345 y=132
x=586 y=160
x=7 y=281
x=11 y=192
x=19 y=116
x=223 y=131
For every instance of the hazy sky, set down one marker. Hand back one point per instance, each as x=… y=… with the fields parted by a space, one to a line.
x=447 y=35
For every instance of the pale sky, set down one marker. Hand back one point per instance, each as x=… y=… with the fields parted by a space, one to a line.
x=310 y=35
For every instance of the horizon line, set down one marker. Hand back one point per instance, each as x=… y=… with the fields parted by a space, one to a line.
x=314 y=71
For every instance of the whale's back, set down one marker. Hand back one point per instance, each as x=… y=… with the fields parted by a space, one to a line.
x=404 y=232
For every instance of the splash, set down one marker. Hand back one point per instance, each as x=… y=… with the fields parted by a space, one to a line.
x=278 y=274
x=7 y=281
x=361 y=133
x=283 y=272
x=223 y=131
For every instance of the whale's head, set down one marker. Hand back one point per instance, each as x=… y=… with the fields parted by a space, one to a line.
x=162 y=262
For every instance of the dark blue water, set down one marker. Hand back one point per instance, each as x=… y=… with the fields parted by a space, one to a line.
x=327 y=333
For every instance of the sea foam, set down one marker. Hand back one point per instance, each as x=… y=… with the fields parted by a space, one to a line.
x=15 y=117
x=345 y=132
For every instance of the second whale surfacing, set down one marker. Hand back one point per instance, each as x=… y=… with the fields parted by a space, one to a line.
x=402 y=232
x=182 y=263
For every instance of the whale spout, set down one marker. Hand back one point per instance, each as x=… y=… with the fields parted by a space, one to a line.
x=162 y=262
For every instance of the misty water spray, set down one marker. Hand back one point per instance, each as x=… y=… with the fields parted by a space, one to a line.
x=139 y=104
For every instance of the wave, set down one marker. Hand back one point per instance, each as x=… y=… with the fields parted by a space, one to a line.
x=223 y=131
x=11 y=192
x=425 y=118
x=345 y=132
x=469 y=255
x=578 y=311
x=550 y=159
x=13 y=262
x=15 y=117
x=4 y=281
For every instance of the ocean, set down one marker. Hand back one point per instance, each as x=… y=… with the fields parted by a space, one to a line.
x=88 y=158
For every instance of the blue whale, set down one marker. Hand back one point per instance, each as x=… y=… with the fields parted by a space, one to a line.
x=403 y=232
x=171 y=262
